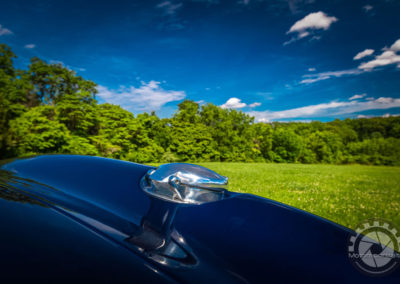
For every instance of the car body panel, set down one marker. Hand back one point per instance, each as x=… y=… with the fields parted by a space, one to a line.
x=71 y=217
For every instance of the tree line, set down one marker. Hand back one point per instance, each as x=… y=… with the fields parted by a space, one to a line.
x=47 y=108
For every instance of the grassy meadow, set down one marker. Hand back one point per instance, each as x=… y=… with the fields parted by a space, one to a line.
x=344 y=194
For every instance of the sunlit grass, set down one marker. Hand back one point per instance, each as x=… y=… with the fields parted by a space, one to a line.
x=344 y=194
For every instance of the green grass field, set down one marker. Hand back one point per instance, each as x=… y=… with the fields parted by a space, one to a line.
x=344 y=194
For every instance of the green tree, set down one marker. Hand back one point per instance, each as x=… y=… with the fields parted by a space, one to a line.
x=78 y=146
x=232 y=132
x=326 y=146
x=188 y=111
x=116 y=130
x=78 y=112
x=37 y=131
x=51 y=82
x=263 y=140
x=192 y=142
x=12 y=95
x=49 y=109
x=286 y=145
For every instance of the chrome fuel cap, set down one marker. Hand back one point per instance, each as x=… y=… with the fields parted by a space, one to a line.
x=184 y=183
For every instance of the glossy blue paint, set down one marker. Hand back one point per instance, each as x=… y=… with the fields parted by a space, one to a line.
x=76 y=217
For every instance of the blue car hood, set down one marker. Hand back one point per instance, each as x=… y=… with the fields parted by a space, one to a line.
x=70 y=217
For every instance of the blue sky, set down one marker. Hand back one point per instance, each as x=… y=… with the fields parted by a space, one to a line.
x=277 y=60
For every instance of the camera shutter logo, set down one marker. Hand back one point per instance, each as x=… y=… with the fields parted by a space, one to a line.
x=374 y=247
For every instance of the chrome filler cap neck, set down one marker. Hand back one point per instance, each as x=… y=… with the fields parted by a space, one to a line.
x=184 y=183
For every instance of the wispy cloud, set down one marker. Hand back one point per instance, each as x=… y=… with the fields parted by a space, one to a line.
x=30 y=46
x=244 y=2
x=389 y=56
x=327 y=109
x=367 y=8
x=208 y=1
x=169 y=8
x=147 y=97
x=386 y=58
x=384 y=115
x=51 y=61
x=237 y=103
x=312 y=78
x=357 y=96
x=69 y=67
x=4 y=31
x=309 y=24
x=170 y=21
x=296 y=6
x=364 y=53
x=254 y=104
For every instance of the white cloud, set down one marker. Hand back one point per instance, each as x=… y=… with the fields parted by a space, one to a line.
x=293 y=39
x=237 y=103
x=295 y=6
x=148 y=97
x=69 y=67
x=390 y=115
x=367 y=8
x=383 y=115
x=169 y=7
x=356 y=96
x=233 y=103
x=317 y=20
x=327 y=109
x=385 y=100
x=30 y=46
x=313 y=21
x=362 y=54
x=4 y=31
x=396 y=46
x=51 y=61
x=254 y=104
x=389 y=56
x=207 y=1
x=312 y=69
x=312 y=78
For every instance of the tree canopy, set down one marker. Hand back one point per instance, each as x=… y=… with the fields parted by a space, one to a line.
x=49 y=109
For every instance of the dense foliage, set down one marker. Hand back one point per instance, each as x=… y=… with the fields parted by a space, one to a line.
x=49 y=109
